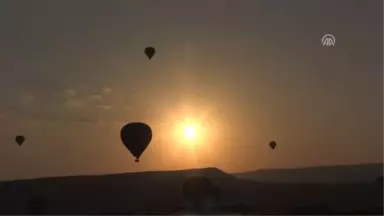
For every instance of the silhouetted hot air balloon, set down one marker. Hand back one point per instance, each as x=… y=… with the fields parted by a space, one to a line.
x=136 y=136
x=200 y=192
x=149 y=52
x=20 y=140
x=272 y=144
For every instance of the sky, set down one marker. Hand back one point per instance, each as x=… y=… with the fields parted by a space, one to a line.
x=242 y=73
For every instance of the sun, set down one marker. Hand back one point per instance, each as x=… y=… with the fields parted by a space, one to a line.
x=189 y=132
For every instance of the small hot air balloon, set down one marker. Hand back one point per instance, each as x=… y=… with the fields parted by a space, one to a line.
x=136 y=137
x=20 y=140
x=200 y=192
x=272 y=144
x=149 y=52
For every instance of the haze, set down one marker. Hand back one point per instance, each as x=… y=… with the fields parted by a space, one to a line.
x=74 y=72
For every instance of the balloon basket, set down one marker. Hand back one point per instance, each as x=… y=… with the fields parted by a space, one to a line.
x=137 y=160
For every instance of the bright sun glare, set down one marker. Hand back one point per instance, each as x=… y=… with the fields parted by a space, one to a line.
x=190 y=132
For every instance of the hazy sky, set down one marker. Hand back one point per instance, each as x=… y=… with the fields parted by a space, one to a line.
x=245 y=72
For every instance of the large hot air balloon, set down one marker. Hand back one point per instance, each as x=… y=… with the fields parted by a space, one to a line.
x=136 y=136
x=272 y=144
x=19 y=140
x=200 y=192
x=149 y=52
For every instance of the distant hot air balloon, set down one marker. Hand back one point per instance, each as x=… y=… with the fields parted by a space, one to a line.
x=272 y=144
x=20 y=140
x=136 y=137
x=200 y=191
x=149 y=52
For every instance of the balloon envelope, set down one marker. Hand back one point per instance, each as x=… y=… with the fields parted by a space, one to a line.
x=136 y=137
x=149 y=52
x=272 y=145
x=19 y=140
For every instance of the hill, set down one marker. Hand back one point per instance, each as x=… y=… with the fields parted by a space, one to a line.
x=103 y=193
x=363 y=173
x=160 y=193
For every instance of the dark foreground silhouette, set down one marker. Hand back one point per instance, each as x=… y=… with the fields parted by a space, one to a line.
x=250 y=210
x=361 y=173
x=200 y=191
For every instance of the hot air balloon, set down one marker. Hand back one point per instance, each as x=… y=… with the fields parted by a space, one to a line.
x=200 y=192
x=136 y=137
x=272 y=144
x=20 y=140
x=149 y=52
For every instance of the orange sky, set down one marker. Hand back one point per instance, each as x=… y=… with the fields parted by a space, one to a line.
x=244 y=73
